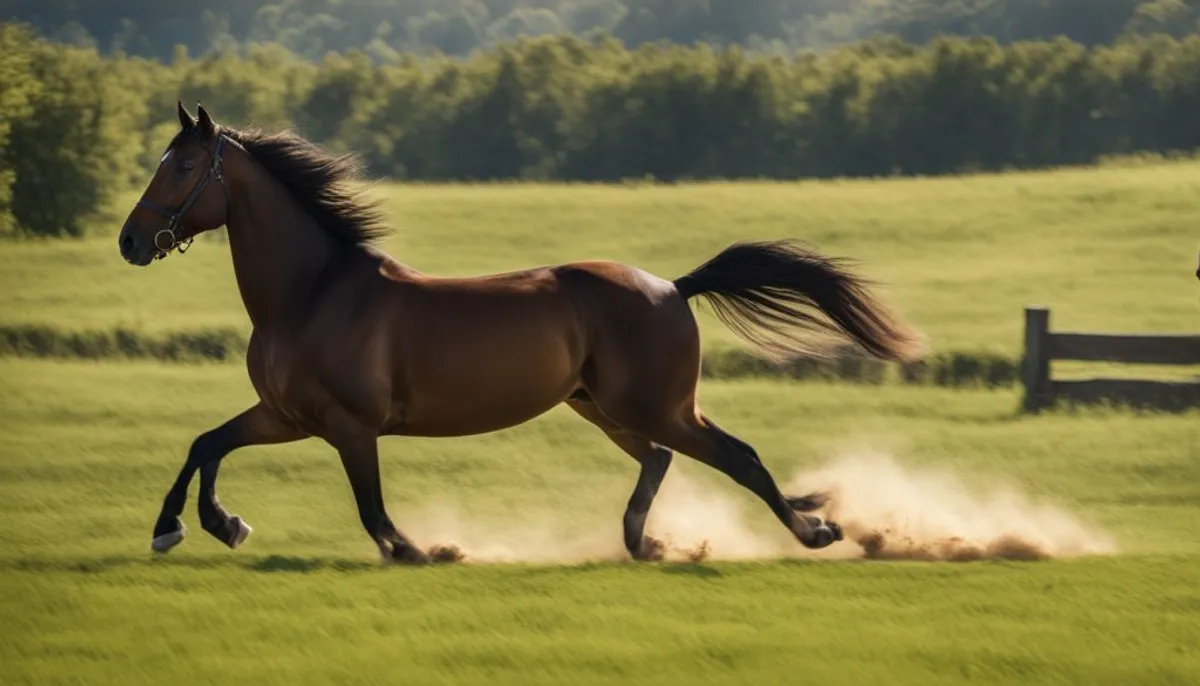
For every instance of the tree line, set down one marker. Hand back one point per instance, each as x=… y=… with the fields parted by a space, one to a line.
x=383 y=28
x=77 y=126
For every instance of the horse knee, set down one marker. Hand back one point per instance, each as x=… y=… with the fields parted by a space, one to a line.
x=206 y=447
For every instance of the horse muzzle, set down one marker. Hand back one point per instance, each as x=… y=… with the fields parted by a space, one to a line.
x=136 y=251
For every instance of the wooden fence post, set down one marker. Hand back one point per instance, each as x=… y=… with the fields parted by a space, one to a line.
x=1036 y=371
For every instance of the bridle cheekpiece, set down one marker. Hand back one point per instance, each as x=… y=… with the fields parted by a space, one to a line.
x=168 y=239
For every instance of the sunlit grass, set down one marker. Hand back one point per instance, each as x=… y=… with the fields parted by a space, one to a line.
x=1108 y=249
x=89 y=450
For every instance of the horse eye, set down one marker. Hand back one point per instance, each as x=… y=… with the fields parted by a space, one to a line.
x=187 y=165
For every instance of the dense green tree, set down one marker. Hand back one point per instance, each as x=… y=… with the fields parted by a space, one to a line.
x=75 y=126
x=69 y=147
x=311 y=28
x=19 y=88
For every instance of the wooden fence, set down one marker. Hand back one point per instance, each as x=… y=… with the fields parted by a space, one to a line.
x=1042 y=346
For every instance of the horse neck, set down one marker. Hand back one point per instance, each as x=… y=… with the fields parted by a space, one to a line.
x=278 y=249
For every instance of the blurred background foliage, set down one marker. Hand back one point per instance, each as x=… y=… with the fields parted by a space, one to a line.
x=591 y=90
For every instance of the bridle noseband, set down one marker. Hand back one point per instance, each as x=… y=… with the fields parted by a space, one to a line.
x=175 y=219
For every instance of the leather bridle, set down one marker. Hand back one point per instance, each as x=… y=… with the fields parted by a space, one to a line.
x=173 y=238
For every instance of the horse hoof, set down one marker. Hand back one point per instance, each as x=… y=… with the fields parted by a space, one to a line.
x=408 y=555
x=163 y=543
x=650 y=550
x=838 y=535
x=242 y=530
x=823 y=535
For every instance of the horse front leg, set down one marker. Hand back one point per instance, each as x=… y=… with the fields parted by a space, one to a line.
x=255 y=426
x=358 y=448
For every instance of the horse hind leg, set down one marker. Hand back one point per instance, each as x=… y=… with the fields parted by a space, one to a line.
x=701 y=439
x=644 y=381
x=655 y=460
x=810 y=502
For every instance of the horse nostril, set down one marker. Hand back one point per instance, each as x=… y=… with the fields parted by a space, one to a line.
x=126 y=244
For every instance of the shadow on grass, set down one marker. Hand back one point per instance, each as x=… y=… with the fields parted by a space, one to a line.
x=270 y=563
x=696 y=569
x=299 y=564
x=304 y=565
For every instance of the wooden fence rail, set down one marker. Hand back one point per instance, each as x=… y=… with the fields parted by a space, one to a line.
x=1043 y=346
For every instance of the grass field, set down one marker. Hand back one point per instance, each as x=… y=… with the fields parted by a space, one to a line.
x=90 y=448
x=87 y=449
x=1113 y=248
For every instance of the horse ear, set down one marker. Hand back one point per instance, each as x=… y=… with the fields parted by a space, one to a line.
x=207 y=126
x=185 y=119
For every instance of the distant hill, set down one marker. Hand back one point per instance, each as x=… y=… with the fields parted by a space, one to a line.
x=153 y=28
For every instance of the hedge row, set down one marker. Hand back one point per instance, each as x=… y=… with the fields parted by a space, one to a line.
x=119 y=343
x=951 y=369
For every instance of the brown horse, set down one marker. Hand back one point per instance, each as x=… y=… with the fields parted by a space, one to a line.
x=349 y=345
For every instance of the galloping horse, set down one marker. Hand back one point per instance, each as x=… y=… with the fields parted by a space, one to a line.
x=349 y=344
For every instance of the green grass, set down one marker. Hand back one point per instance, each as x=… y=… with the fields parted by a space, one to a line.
x=89 y=449
x=1107 y=249
x=1094 y=622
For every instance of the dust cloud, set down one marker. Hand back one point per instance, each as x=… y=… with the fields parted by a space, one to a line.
x=890 y=512
x=693 y=521
x=450 y=537
x=887 y=511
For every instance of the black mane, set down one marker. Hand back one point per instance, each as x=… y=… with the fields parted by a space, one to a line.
x=318 y=180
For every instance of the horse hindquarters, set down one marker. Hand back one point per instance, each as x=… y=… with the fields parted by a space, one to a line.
x=642 y=378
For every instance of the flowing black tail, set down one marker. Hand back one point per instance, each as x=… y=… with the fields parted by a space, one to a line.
x=763 y=290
